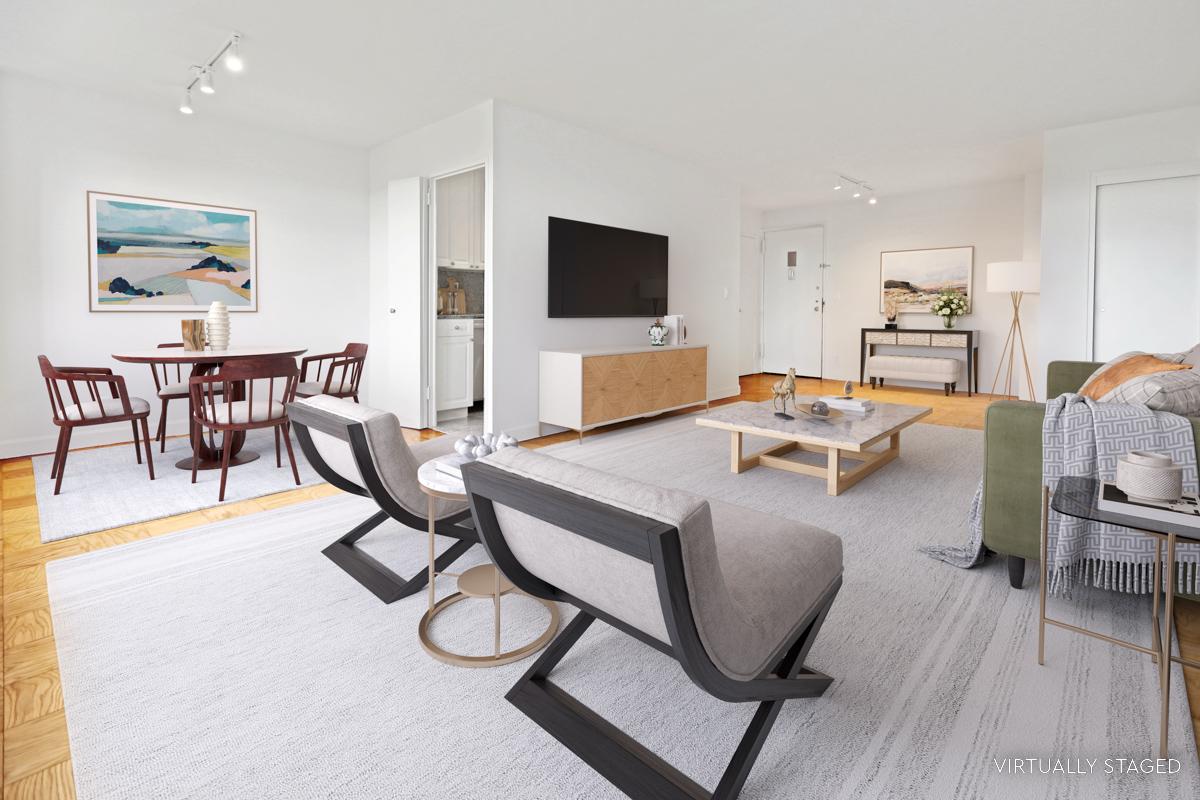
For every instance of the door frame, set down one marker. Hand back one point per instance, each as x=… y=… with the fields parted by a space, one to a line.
x=431 y=280
x=760 y=239
x=1112 y=177
x=824 y=265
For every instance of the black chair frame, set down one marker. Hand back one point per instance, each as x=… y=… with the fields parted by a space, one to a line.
x=382 y=581
x=626 y=763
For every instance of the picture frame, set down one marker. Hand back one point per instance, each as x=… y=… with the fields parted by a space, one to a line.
x=913 y=278
x=148 y=254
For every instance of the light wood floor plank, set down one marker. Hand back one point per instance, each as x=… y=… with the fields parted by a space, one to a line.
x=27 y=699
x=34 y=746
x=52 y=783
x=28 y=626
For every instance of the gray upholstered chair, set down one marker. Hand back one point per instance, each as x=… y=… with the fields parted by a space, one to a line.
x=735 y=595
x=362 y=451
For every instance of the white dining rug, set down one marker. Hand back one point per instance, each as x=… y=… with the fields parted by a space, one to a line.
x=105 y=487
x=235 y=661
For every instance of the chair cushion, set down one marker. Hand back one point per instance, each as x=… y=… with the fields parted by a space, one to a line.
x=173 y=390
x=753 y=578
x=112 y=408
x=311 y=388
x=394 y=459
x=915 y=368
x=242 y=412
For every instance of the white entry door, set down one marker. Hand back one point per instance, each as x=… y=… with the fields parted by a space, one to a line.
x=793 y=301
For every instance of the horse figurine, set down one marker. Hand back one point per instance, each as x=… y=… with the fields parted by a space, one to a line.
x=785 y=389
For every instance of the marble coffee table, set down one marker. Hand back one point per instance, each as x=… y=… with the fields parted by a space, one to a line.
x=847 y=436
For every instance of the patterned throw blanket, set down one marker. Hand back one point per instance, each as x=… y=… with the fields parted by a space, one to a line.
x=1085 y=438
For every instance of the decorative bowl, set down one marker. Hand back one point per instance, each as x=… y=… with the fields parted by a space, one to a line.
x=1144 y=475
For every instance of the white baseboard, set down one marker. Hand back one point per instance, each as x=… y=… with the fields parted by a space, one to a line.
x=721 y=394
x=117 y=433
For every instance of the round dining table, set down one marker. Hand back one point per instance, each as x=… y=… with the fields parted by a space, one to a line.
x=204 y=362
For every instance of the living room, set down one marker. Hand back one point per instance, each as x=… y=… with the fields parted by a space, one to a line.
x=808 y=439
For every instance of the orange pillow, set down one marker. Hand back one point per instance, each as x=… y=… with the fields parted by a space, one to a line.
x=1105 y=381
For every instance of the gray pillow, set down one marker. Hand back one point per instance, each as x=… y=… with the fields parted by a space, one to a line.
x=1177 y=392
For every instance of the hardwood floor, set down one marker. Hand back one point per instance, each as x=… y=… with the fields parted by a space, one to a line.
x=35 y=756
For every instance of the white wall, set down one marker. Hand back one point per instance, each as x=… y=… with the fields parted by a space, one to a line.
x=1071 y=157
x=989 y=216
x=400 y=341
x=56 y=143
x=546 y=168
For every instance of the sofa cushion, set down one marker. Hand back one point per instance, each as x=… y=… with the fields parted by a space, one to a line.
x=1177 y=392
x=752 y=577
x=1126 y=367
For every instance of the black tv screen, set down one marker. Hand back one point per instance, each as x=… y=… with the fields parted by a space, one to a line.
x=598 y=271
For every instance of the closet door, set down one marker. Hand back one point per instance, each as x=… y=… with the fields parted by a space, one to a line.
x=1147 y=266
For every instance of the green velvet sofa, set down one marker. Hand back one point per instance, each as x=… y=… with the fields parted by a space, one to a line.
x=1012 y=471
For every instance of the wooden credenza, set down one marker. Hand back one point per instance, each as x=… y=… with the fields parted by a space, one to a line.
x=584 y=389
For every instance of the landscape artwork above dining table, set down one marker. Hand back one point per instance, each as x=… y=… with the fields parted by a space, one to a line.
x=148 y=254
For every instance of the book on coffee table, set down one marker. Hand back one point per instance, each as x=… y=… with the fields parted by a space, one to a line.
x=847 y=403
x=451 y=465
x=1184 y=511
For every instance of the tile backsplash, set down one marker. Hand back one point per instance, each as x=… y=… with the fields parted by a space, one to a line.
x=471 y=281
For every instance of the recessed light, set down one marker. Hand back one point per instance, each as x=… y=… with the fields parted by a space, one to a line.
x=873 y=201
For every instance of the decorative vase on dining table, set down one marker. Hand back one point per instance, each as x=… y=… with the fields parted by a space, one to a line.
x=217 y=326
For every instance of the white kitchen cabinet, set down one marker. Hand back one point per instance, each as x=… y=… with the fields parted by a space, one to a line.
x=460 y=202
x=455 y=363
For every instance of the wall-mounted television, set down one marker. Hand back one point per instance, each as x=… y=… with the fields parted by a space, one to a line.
x=599 y=271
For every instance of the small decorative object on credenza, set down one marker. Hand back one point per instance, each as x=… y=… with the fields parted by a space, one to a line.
x=890 y=310
x=471 y=448
x=949 y=306
x=217 y=326
x=676 y=330
x=658 y=333
x=193 y=334
x=784 y=390
x=1149 y=476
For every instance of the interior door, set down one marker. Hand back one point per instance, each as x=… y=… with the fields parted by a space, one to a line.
x=1147 y=266
x=793 y=301
x=404 y=363
x=750 y=306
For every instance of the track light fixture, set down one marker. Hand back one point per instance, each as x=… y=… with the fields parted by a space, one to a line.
x=202 y=74
x=860 y=187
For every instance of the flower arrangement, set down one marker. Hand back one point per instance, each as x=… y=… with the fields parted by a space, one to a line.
x=949 y=305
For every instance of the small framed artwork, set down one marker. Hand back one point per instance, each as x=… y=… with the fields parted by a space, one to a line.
x=912 y=279
x=146 y=254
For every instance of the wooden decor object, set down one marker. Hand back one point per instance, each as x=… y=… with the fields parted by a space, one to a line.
x=193 y=334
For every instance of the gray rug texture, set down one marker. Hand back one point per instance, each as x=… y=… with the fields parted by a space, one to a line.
x=106 y=488
x=235 y=661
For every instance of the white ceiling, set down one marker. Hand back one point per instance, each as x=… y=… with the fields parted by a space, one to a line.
x=777 y=96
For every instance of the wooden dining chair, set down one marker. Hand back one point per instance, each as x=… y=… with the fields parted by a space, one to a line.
x=342 y=373
x=77 y=399
x=274 y=381
x=170 y=385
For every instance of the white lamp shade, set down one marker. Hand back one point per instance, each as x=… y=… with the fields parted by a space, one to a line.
x=1014 y=276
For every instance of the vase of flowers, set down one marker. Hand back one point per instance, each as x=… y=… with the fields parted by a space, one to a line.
x=949 y=306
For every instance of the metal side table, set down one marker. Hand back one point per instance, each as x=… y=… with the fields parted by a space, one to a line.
x=1077 y=497
x=482 y=581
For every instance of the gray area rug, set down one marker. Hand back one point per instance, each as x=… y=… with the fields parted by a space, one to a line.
x=236 y=661
x=106 y=488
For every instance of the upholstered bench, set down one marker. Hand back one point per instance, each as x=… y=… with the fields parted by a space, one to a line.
x=915 y=368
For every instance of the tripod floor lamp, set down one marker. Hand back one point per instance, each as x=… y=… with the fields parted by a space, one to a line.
x=1018 y=278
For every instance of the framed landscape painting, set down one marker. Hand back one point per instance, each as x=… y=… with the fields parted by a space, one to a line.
x=913 y=278
x=162 y=255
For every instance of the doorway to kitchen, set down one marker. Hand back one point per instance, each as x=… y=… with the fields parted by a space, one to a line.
x=458 y=267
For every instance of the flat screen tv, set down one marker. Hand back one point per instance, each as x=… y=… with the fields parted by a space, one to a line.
x=598 y=271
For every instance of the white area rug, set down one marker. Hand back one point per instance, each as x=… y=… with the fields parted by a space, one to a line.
x=106 y=488
x=236 y=661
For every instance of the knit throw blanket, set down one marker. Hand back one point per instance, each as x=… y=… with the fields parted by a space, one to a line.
x=1085 y=438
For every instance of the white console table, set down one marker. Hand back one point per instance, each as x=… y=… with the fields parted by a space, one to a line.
x=586 y=388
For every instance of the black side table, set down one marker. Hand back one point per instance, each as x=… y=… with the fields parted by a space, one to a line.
x=1076 y=497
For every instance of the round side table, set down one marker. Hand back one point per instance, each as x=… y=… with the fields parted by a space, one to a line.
x=481 y=581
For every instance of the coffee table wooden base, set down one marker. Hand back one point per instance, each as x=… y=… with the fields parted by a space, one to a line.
x=837 y=480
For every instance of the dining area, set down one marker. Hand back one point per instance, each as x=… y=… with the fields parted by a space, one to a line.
x=236 y=401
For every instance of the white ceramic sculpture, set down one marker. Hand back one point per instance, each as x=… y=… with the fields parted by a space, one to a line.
x=475 y=446
x=1149 y=476
x=216 y=326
